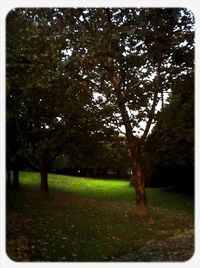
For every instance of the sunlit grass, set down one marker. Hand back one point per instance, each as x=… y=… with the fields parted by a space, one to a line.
x=115 y=190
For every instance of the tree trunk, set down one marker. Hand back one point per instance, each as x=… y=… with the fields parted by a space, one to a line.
x=139 y=183
x=8 y=172
x=8 y=181
x=43 y=174
x=131 y=181
x=15 y=178
x=134 y=144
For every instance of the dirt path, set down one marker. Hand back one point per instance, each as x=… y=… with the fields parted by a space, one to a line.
x=175 y=249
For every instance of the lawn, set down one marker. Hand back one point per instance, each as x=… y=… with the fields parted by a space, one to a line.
x=87 y=219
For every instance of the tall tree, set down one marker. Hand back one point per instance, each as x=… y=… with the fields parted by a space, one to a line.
x=129 y=57
x=33 y=59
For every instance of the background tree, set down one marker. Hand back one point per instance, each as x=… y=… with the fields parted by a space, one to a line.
x=94 y=156
x=33 y=94
x=172 y=162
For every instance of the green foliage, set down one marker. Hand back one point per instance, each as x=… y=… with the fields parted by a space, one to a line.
x=177 y=121
x=51 y=110
x=174 y=133
x=39 y=93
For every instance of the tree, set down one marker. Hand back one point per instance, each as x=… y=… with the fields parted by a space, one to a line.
x=32 y=102
x=173 y=159
x=13 y=144
x=129 y=57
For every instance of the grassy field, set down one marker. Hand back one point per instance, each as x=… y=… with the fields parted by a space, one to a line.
x=87 y=219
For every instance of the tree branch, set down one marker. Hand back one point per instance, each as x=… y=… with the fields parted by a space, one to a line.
x=117 y=125
x=108 y=15
x=153 y=107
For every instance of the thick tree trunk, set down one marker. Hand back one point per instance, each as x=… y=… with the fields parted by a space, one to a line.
x=139 y=183
x=43 y=174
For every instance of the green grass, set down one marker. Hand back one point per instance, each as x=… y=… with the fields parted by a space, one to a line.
x=87 y=219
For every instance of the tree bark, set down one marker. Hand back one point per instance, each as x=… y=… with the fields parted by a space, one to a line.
x=141 y=207
x=43 y=174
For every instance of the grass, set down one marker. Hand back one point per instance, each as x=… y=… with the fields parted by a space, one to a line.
x=87 y=220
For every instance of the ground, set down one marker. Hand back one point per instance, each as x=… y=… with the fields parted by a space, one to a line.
x=81 y=214
x=179 y=248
